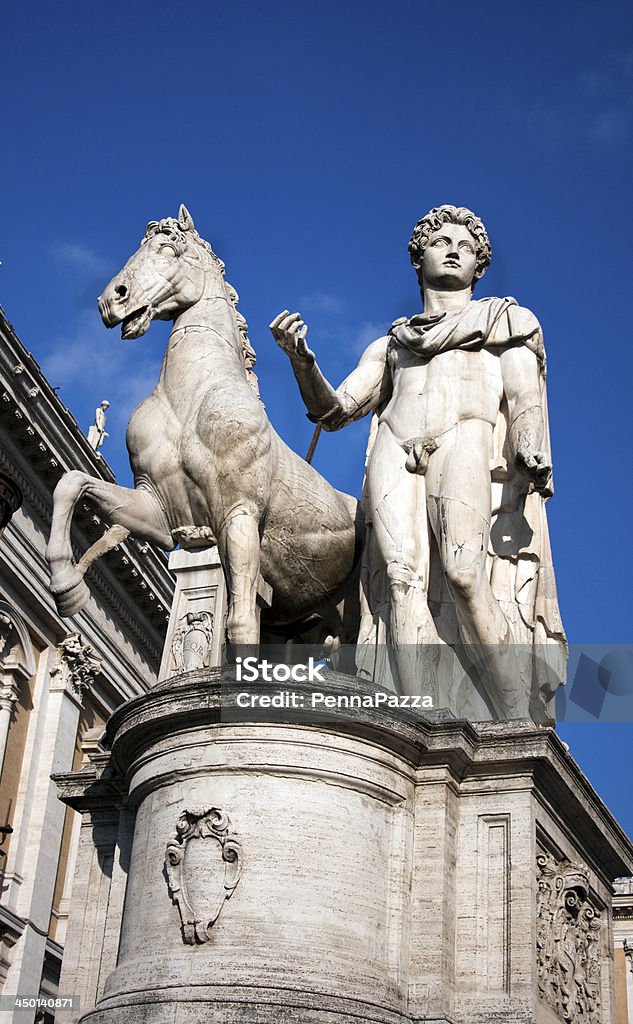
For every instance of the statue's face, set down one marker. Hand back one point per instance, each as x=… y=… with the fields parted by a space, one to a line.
x=449 y=258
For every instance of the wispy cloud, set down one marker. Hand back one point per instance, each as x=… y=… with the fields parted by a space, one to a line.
x=367 y=332
x=89 y=363
x=80 y=258
x=596 y=104
x=85 y=271
x=322 y=302
x=96 y=364
x=609 y=96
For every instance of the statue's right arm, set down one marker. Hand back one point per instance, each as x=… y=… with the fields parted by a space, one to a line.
x=365 y=389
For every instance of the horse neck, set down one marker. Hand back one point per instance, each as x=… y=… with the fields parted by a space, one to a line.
x=212 y=314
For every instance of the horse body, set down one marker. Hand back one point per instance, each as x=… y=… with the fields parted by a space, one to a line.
x=208 y=466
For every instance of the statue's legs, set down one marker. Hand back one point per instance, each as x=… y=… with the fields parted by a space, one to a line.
x=459 y=497
x=239 y=547
x=228 y=454
x=133 y=508
x=401 y=529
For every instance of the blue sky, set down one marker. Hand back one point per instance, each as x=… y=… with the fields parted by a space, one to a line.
x=306 y=141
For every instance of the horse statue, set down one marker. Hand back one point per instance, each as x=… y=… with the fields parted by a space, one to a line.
x=208 y=466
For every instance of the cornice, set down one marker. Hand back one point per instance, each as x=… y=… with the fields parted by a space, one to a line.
x=24 y=381
x=36 y=460
x=24 y=560
x=49 y=434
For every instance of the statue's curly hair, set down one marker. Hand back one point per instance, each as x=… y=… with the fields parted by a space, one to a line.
x=451 y=215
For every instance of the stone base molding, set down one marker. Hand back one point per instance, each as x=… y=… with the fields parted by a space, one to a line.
x=341 y=865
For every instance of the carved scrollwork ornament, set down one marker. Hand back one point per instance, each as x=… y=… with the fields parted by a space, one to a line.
x=568 y=941
x=223 y=859
x=77 y=663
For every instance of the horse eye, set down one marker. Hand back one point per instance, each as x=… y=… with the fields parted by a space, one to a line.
x=166 y=245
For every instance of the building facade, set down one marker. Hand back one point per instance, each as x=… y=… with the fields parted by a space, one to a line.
x=59 y=679
x=623 y=949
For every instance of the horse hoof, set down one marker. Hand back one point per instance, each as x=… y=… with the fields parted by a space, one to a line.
x=70 y=599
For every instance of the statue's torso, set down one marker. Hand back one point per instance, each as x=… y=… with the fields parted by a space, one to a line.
x=431 y=396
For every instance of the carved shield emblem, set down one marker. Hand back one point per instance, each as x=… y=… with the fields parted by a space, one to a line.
x=191 y=644
x=203 y=863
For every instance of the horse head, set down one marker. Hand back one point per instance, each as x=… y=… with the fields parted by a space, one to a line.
x=167 y=274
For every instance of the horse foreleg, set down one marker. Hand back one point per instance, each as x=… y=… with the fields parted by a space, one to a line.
x=239 y=544
x=134 y=510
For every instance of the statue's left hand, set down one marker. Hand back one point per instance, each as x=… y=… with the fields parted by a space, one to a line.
x=536 y=467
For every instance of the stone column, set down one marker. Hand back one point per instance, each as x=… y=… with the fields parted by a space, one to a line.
x=433 y=914
x=628 y=956
x=98 y=892
x=9 y=693
x=39 y=819
x=17 y=664
x=340 y=862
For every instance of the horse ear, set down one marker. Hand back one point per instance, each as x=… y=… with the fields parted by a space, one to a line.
x=185 y=219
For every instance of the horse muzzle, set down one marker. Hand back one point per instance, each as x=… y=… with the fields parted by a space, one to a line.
x=118 y=306
x=113 y=302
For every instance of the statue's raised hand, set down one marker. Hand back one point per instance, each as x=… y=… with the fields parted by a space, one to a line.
x=289 y=331
x=536 y=467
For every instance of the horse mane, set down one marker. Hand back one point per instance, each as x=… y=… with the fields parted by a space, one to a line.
x=181 y=237
x=174 y=230
x=249 y=356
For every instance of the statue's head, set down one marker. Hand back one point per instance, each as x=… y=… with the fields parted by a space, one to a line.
x=432 y=223
x=166 y=275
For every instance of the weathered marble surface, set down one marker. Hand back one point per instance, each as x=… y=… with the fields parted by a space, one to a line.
x=458 y=469
x=208 y=466
x=391 y=869
x=196 y=634
x=456 y=553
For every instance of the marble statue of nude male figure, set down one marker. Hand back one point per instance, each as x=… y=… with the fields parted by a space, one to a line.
x=438 y=383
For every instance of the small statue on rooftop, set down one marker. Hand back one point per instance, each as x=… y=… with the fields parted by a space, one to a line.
x=97 y=431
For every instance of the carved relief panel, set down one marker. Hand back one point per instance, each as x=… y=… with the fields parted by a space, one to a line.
x=77 y=664
x=568 y=941
x=204 y=863
x=195 y=634
x=191 y=646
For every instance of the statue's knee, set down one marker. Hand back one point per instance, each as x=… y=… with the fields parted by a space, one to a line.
x=464 y=565
x=70 y=483
x=402 y=579
x=464 y=583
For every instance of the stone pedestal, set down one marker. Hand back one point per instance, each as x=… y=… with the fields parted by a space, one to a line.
x=344 y=865
x=197 y=624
